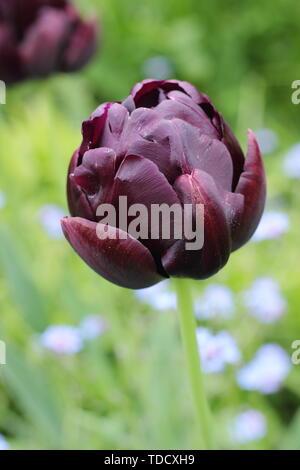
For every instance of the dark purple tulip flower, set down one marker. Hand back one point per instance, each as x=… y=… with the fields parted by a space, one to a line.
x=166 y=143
x=39 y=37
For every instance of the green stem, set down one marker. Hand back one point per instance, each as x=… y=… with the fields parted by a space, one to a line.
x=188 y=332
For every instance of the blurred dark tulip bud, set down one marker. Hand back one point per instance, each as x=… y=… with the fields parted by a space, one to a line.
x=40 y=37
x=166 y=143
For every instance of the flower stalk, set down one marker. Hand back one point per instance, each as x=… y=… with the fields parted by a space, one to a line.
x=188 y=332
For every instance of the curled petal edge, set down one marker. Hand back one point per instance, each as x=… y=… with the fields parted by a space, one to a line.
x=251 y=185
x=77 y=200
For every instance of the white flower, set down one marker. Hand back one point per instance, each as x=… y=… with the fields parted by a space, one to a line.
x=50 y=217
x=216 y=351
x=92 y=326
x=266 y=372
x=264 y=300
x=4 y=445
x=158 y=296
x=217 y=302
x=273 y=224
x=158 y=67
x=248 y=426
x=2 y=200
x=291 y=163
x=267 y=140
x=62 y=339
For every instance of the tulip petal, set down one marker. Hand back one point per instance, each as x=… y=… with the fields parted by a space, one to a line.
x=95 y=176
x=115 y=125
x=144 y=88
x=82 y=46
x=146 y=93
x=48 y=33
x=125 y=262
x=252 y=185
x=77 y=199
x=204 y=153
x=137 y=126
x=156 y=150
x=180 y=106
x=226 y=136
x=235 y=150
x=200 y=188
x=188 y=88
x=11 y=72
x=141 y=181
x=92 y=128
x=24 y=12
x=155 y=139
x=129 y=104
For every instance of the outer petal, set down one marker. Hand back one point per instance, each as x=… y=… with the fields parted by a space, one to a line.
x=226 y=135
x=82 y=46
x=125 y=262
x=252 y=185
x=10 y=67
x=235 y=150
x=92 y=128
x=24 y=12
x=200 y=188
x=95 y=177
x=115 y=126
x=42 y=48
x=77 y=200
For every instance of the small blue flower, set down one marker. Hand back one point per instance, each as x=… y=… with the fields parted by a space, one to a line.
x=50 y=216
x=92 y=327
x=62 y=339
x=4 y=445
x=217 y=302
x=266 y=372
x=248 y=426
x=158 y=296
x=216 y=351
x=267 y=140
x=264 y=300
x=291 y=163
x=158 y=67
x=273 y=225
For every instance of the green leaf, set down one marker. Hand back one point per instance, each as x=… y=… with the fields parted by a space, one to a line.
x=20 y=283
x=31 y=389
x=291 y=438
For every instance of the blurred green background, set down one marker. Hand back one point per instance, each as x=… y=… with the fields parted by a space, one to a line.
x=127 y=388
